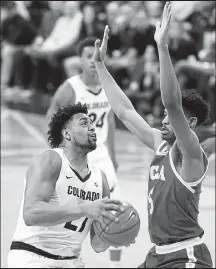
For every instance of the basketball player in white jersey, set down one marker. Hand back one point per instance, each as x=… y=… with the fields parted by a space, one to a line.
x=86 y=88
x=63 y=195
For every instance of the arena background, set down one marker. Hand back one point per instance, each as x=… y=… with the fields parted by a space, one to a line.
x=25 y=98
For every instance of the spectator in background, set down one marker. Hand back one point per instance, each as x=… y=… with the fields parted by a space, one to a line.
x=72 y=65
x=111 y=18
x=32 y=10
x=122 y=56
x=143 y=32
x=18 y=32
x=154 y=10
x=49 y=19
x=90 y=24
x=90 y=27
x=200 y=75
x=181 y=44
x=60 y=44
x=143 y=89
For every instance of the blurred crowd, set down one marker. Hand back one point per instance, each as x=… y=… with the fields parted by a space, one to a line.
x=39 y=41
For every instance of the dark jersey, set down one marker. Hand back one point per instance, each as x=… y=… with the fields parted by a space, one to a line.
x=172 y=202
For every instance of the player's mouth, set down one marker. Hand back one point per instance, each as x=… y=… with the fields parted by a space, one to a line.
x=93 y=136
x=164 y=130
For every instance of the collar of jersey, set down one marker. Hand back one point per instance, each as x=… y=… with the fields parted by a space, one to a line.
x=78 y=175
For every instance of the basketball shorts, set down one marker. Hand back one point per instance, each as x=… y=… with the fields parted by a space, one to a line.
x=191 y=253
x=25 y=259
x=100 y=157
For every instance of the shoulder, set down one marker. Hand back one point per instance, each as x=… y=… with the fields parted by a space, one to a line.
x=65 y=93
x=157 y=138
x=49 y=161
x=66 y=86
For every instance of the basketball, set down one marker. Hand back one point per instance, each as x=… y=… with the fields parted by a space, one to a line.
x=123 y=232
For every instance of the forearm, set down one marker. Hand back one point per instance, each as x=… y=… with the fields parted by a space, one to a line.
x=115 y=95
x=170 y=90
x=111 y=141
x=46 y=214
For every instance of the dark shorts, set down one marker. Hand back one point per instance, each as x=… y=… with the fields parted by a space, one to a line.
x=197 y=256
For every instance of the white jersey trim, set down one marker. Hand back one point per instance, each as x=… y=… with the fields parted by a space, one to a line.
x=178 y=176
x=195 y=183
x=191 y=257
x=188 y=185
x=158 y=151
x=186 y=244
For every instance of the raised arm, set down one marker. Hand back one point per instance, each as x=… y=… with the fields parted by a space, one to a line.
x=120 y=103
x=41 y=180
x=111 y=139
x=171 y=96
x=63 y=96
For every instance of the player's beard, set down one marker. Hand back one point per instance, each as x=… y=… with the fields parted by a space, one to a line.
x=170 y=138
x=89 y=145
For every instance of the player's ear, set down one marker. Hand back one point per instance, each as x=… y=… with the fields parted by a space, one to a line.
x=193 y=122
x=66 y=134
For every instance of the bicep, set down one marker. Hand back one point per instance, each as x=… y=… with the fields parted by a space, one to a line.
x=41 y=178
x=106 y=190
x=186 y=138
x=151 y=137
x=63 y=96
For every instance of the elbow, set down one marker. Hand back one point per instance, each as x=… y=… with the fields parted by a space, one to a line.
x=122 y=111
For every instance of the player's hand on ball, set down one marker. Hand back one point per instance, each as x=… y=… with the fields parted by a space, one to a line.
x=161 y=33
x=100 y=51
x=100 y=210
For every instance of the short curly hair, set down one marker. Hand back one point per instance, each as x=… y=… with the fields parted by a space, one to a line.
x=193 y=103
x=59 y=119
x=86 y=42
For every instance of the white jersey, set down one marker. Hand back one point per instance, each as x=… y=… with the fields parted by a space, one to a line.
x=98 y=107
x=64 y=239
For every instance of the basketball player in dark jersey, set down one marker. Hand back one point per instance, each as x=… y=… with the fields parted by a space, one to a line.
x=179 y=165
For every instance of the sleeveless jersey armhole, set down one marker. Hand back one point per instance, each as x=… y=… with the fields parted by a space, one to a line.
x=189 y=185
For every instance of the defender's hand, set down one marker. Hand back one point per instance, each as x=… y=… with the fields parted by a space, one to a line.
x=161 y=33
x=100 y=51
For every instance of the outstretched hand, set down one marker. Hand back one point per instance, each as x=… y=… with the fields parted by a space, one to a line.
x=100 y=51
x=161 y=33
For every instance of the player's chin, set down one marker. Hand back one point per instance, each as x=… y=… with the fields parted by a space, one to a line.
x=92 y=145
x=164 y=136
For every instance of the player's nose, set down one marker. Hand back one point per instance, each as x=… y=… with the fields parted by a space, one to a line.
x=164 y=121
x=91 y=127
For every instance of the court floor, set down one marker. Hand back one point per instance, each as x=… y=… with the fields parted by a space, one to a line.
x=22 y=137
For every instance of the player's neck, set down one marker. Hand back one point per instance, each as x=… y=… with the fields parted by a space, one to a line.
x=91 y=80
x=77 y=158
x=170 y=143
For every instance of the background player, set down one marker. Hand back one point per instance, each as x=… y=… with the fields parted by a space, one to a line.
x=179 y=165
x=86 y=87
x=63 y=194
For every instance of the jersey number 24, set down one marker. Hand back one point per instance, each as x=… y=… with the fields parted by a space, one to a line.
x=100 y=121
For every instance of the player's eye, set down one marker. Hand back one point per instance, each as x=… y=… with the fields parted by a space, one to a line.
x=84 y=123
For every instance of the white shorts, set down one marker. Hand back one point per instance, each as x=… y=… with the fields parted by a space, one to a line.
x=25 y=259
x=100 y=157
